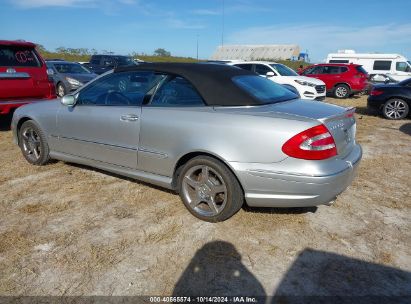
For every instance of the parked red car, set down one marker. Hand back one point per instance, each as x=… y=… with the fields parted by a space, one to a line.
x=341 y=80
x=23 y=76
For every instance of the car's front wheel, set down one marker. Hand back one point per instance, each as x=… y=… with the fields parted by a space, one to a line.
x=60 y=90
x=341 y=91
x=209 y=190
x=33 y=144
x=395 y=108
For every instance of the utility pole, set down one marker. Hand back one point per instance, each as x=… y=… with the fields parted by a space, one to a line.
x=222 y=25
x=197 y=47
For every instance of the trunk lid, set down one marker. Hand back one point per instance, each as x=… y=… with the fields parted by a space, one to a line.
x=339 y=121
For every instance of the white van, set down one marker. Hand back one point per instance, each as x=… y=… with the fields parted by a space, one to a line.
x=393 y=65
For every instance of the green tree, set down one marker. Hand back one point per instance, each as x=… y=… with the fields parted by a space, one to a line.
x=162 y=53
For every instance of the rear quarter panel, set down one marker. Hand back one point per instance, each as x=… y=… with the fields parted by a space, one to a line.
x=167 y=134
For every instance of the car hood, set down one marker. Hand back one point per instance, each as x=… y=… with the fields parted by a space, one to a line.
x=84 y=78
x=308 y=79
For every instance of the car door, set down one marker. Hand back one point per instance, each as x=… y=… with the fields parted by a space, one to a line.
x=319 y=72
x=104 y=124
x=169 y=110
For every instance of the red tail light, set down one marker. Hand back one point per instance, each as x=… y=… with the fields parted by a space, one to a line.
x=315 y=144
x=375 y=92
x=360 y=75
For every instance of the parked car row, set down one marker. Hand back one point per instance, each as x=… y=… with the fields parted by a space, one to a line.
x=100 y=64
x=25 y=78
x=394 y=66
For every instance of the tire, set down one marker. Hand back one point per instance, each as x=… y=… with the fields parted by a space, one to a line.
x=395 y=109
x=213 y=198
x=33 y=144
x=60 y=90
x=341 y=91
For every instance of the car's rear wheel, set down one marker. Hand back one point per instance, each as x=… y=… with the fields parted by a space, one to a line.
x=341 y=91
x=209 y=190
x=60 y=90
x=395 y=108
x=33 y=144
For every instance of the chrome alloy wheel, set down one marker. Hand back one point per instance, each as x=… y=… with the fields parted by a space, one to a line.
x=205 y=191
x=31 y=144
x=341 y=92
x=395 y=109
x=60 y=90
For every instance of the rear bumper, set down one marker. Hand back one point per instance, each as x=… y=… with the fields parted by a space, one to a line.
x=7 y=106
x=376 y=102
x=273 y=188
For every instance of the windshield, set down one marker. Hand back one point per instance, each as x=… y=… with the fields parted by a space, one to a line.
x=283 y=70
x=71 y=68
x=264 y=90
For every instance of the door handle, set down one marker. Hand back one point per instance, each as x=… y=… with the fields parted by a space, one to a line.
x=129 y=117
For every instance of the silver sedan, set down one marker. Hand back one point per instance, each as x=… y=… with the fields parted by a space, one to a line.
x=217 y=135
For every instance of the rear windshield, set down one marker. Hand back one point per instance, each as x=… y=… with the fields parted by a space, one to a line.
x=264 y=90
x=14 y=56
x=361 y=69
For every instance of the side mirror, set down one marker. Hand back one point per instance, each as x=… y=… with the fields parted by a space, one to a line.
x=270 y=74
x=50 y=72
x=68 y=100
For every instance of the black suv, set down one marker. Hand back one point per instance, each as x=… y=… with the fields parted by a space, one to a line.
x=102 y=63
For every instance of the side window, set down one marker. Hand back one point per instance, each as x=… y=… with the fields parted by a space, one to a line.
x=382 y=65
x=333 y=70
x=261 y=69
x=317 y=70
x=248 y=67
x=176 y=92
x=308 y=71
x=95 y=60
x=119 y=89
x=401 y=66
x=343 y=69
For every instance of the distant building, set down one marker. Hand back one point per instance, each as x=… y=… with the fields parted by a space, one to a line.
x=256 y=52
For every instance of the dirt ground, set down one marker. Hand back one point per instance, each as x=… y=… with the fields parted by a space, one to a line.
x=71 y=230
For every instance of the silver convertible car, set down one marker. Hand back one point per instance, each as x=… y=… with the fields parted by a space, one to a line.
x=218 y=135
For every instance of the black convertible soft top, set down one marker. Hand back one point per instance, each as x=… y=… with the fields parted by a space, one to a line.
x=213 y=81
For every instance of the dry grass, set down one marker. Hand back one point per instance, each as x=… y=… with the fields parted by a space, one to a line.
x=67 y=229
